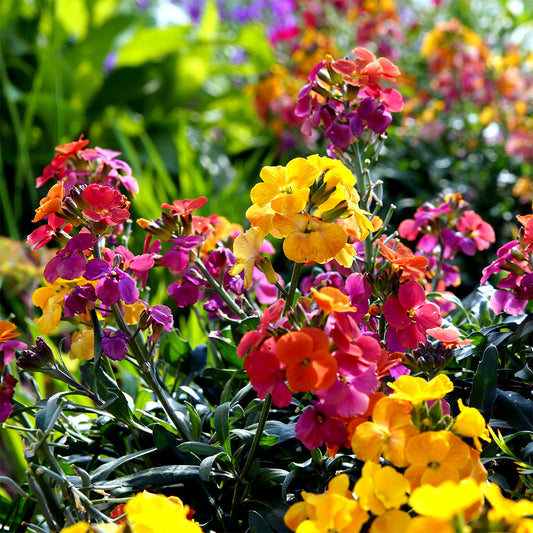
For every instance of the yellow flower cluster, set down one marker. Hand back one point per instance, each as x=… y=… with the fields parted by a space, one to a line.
x=301 y=203
x=146 y=513
x=428 y=466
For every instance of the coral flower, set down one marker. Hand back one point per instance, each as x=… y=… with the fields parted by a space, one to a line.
x=310 y=365
x=7 y=331
x=285 y=189
x=417 y=390
x=387 y=434
x=410 y=315
x=51 y=203
x=435 y=457
x=308 y=238
x=247 y=250
x=402 y=258
x=106 y=204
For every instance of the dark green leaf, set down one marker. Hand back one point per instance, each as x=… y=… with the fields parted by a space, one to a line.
x=228 y=351
x=103 y=472
x=156 y=477
x=48 y=415
x=519 y=410
x=485 y=381
x=221 y=420
x=200 y=448
x=258 y=524
x=173 y=348
x=206 y=466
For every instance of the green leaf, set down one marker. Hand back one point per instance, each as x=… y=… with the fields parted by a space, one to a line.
x=206 y=466
x=518 y=410
x=209 y=22
x=258 y=524
x=228 y=351
x=173 y=348
x=221 y=420
x=103 y=472
x=200 y=448
x=15 y=513
x=46 y=417
x=150 y=44
x=484 y=390
x=156 y=477
x=196 y=421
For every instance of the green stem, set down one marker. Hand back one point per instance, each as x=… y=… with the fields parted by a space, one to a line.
x=142 y=357
x=219 y=289
x=292 y=287
x=237 y=496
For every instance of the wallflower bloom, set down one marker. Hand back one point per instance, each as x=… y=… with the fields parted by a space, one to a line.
x=105 y=204
x=447 y=499
x=310 y=365
x=435 y=457
x=410 y=315
x=285 y=189
x=504 y=510
x=470 y=423
x=331 y=300
x=51 y=300
x=307 y=238
x=381 y=488
x=247 y=250
x=402 y=258
x=387 y=434
x=7 y=390
x=417 y=390
x=82 y=346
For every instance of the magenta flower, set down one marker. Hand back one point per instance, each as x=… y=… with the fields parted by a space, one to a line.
x=138 y=265
x=77 y=302
x=409 y=315
x=472 y=226
x=177 y=258
x=317 y=426
x=113 y=284
x=186 y=290
x=70 y=262
x=7 y=390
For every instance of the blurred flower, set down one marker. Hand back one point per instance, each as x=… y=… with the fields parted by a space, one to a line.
x=7 y=390
x=82 y=345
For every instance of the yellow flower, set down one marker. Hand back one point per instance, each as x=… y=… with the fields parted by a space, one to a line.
x=84 y=527
x=393 y=521
x=470 y=423
x=132 y=312
x=50 y=300
x=80 y=527
x=423 y=524
x=285 y=189
x=82 y=346
x=381 y=489
x=155 y=513
x=447 y=500
x=307 y=238
x=247 y=250
x=506 y=510
x=435 y=457
x=387 y=434
x=417 y=390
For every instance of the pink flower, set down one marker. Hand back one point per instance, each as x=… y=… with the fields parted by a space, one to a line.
x=472 y=226
x=317 y=426
x=409 y=315
x=6 y=393
x=106 y=204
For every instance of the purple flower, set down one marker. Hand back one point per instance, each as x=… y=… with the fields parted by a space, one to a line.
x=177 y=258
x=160 y=318
x=115 y=344
x=69 y=263
x=186 y=290
x=113 y=284
x=79 y=300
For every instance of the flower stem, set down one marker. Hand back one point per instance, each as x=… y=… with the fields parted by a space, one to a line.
x=292 y=287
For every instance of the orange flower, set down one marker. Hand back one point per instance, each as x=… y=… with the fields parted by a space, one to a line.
x=402 y=258
x=7 y=331
x=435 y=457
x=310 y=365
x=387 y=434
x=330 y=300
x=51 y=203
x=448 y=336
x=307 y=238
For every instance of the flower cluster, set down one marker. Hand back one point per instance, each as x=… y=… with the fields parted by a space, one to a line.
x=514 y=290
x=426 y=452
x=147 y=513
x=345 y=97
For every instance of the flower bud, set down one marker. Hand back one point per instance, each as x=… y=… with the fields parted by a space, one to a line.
x=36 y=357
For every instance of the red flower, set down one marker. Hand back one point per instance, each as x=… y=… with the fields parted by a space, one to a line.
x=106 y=204
x=185 y=207
x=409 y=315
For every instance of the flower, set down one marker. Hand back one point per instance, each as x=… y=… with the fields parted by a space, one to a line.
x=247 y=250
x=410 y=315
x=310 y=365
x=7 y=390
x=317 y=425
x=380 y=489
x=115 y=344
x=417 y=390
x=331 y=300
x=435 y=457
x=82 y=346
x=507 y=511
x=105 y=204
x=470 y=423
x=285 y=189
x=447 y=499
x=387 y=434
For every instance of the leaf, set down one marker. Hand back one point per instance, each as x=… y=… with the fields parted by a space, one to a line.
x=197 y=363
x=206 y=466
x=15 y=513
x=157 y=477
x=258 y=524
x=46 y=418
x=228 y=351
x=103 y=472
x=484 y=393
x=221 y=420
x=518 y=410
x=173 y=348
x=210 y=21
x=195 y=420
x=200 y=448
